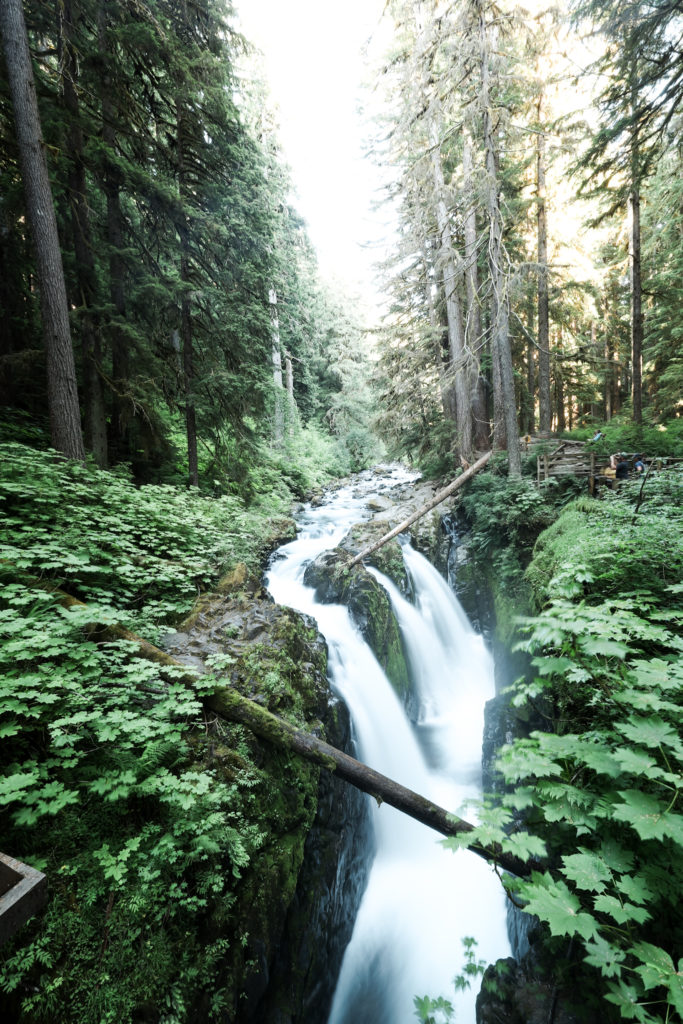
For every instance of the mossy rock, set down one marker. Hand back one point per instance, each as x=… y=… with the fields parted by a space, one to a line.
x=279 y=660
x=388 y=559
x=513 y=993
x=370 y=609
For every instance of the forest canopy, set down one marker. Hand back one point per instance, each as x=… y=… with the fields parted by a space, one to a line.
x=534 y=153
x=201 y=330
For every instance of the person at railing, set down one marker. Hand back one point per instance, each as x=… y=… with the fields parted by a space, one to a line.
x=622 y=468
x=611 y=470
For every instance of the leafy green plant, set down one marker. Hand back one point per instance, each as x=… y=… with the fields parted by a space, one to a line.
x=146 y=551
x=109 y=777
x=595 y=801
x=440 y=1010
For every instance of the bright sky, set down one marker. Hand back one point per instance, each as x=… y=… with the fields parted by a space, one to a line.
x=315 y=68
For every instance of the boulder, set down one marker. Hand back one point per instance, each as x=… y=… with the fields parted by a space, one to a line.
x=292 y=911
x=370 y=609
x=522 y=992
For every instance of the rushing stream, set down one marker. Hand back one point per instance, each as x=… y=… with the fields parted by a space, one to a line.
x=421 y=900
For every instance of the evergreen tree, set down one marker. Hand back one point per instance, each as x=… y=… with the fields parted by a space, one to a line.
x=61 y=373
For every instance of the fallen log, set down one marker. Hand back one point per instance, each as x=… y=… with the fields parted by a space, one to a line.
x=229 y=704
x=436 y=500
x=232 y=706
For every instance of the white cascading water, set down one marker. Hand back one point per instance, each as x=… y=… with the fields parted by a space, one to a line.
x=421 y=900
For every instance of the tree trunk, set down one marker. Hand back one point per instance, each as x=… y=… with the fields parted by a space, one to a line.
x=474 y=335
x=636 y=304
x=609 y=379
x=559 y=390
x=528 y=404
x=436 y=329
x=188 y=369
x=276 y=360
x=185 y=302
x=459 y=361
x=499 y=434
x=95 y=417
x=635 y=279
x=65 y=419
x=500 y=337
x=544 y=405
x=115 y=234
x=292 y=413
x=448 y=261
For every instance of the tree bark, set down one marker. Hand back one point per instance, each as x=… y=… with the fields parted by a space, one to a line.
x=636 y=304
x=95 y=417
x=500 y=336
x=188 y=368
x=291 y=401
x=65 y=419
x=530 y=371
x=635 y=277
x=435 y=329
x=561 y=423
x=474 y=335
x=609 y=378
x=276 y=362
x=544 y=405
x=115 y=231
x=459 y=360
x=185 y=304
x=436 y=500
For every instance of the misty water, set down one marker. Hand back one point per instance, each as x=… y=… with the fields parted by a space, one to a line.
x=421 y=899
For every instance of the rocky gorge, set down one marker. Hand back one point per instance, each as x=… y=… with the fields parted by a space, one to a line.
x=296 y=903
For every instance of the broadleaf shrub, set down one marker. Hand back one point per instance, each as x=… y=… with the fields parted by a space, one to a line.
x=108 y=781
x=600 y=788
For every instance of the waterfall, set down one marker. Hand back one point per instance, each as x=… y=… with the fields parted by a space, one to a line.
x=421 y=900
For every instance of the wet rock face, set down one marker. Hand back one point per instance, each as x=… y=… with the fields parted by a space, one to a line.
x=330 y=886
x=297 y=899
x=516 y=993
x=464 y=577
x=388 y=559
x=370 y=609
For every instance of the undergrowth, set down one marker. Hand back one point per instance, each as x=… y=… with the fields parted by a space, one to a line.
x=109 y=783
x=600 y=788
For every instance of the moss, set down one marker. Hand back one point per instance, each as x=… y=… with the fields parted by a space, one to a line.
x=275 y=799
x=371 y=610
x=608 y=548
x=388 y=559
x=369 y=607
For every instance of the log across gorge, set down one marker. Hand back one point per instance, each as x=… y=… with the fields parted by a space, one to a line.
x=421 y=900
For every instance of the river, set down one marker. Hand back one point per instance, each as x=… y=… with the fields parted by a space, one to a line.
x=421 y=900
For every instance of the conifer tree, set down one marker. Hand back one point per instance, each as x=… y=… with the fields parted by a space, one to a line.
x=86 y=298
x=65 y=420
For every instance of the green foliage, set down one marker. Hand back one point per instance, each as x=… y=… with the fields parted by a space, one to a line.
x=622 y=435
x=433 y=1011
x=440 y=1010
x=109 y=776
x=596 y=547
x=505 y=518
x=505 y=514
x=601 y=790
x=190 y=227
x=143 y=551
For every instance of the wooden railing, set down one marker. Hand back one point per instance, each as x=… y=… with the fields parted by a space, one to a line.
x=574 y=458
